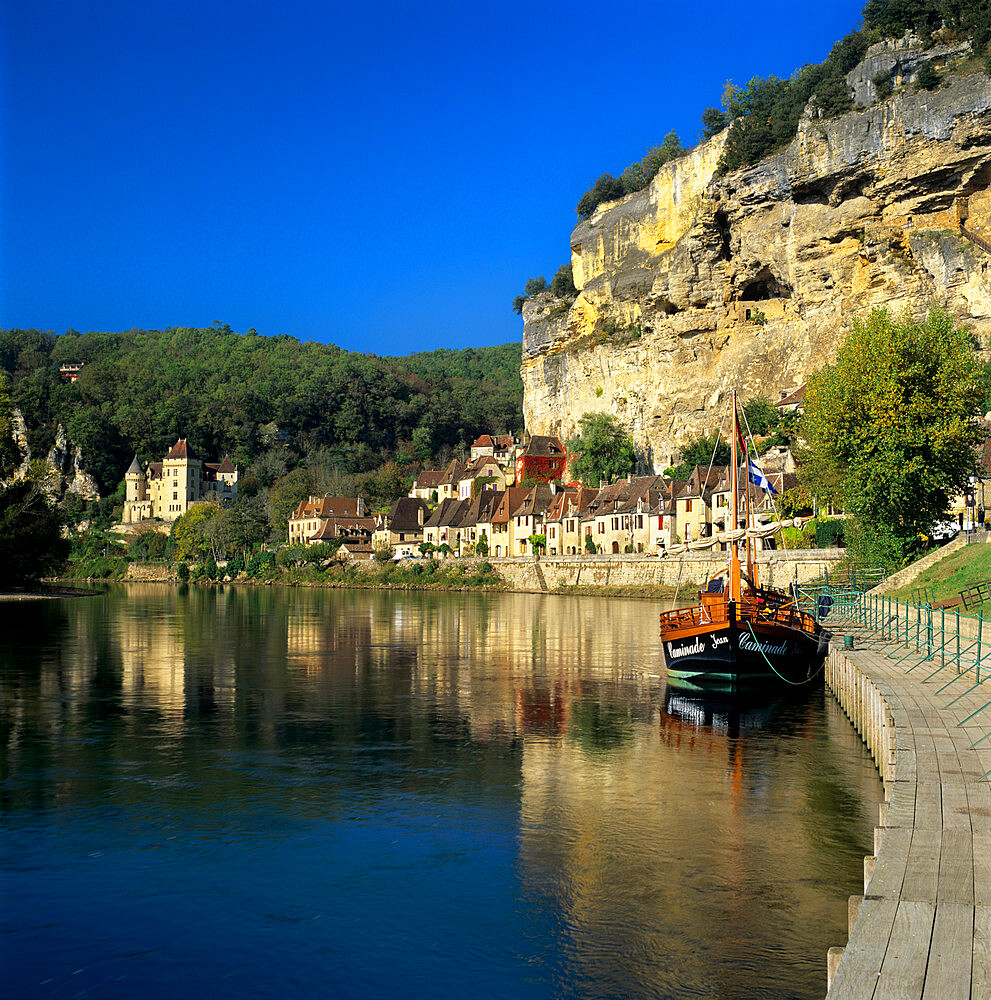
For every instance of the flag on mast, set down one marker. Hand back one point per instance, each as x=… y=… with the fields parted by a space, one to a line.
x=758 y=478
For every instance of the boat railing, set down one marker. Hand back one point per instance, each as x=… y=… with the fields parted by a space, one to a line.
x=761 y=607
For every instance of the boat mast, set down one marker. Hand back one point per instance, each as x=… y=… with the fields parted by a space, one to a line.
x=751 y=562
x=735 y=588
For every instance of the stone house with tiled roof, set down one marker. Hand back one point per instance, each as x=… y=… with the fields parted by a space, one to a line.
x=483 y=472
x=500 y=521
x=542 y=459
x=497 y=446
x=528 y=519
x=313 y=514
x=444 y=525
x=402 y=526
x=426 y=486
x=167 y=489
x=562 y=520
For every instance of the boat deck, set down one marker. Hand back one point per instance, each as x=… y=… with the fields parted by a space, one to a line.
x=923 y=926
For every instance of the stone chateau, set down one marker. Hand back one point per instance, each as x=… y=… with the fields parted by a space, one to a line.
x=167 y=489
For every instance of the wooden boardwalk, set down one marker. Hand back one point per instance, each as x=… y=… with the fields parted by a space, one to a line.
x=923 y=927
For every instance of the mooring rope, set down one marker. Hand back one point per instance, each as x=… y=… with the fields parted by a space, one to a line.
x=760 y=649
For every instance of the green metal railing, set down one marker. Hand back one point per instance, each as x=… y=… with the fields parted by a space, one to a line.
x=950 y=646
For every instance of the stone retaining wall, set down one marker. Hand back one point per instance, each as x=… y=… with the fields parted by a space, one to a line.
x=777 y=569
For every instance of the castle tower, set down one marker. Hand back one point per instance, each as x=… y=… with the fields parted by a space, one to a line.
x=182 y=478
x=134 y=482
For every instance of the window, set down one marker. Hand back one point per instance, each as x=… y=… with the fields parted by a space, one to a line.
x=602 y=527
x=639 y=520
x=688 y=506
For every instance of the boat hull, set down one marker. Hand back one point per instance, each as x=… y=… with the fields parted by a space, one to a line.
x=727 y=659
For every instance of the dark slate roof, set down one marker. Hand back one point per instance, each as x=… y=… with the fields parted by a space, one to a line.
x=543 y=446
x=134 y=467
x=404 y=515
x=443 y=513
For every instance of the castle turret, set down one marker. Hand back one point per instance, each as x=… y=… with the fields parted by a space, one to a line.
x=134 y=482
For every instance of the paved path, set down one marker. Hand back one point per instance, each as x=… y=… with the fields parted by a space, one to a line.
x=923 y=929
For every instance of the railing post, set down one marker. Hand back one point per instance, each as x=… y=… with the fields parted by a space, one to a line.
x=918 y=625
x=958 y=639
x=980 y=638
x=929 y=632
x=942 y=637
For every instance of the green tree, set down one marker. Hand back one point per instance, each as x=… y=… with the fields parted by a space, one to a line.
x=243 y=525
x=700 y=451
x=482 y=546
x=537 y=543
x=563 y=283
x=761 y=415
x=601 y=451
x=31 y=543
x=191 y=532
x=890 y=429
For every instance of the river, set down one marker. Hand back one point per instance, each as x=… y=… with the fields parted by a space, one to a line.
x=268 y=792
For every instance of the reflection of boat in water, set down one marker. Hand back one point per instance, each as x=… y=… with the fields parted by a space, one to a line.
x=741 y=635
x=729 y=713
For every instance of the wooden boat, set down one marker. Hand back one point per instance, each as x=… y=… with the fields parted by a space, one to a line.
x=741 y=636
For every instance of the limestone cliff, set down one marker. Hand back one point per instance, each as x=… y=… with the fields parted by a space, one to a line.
x=64 y=469
x=699 y=284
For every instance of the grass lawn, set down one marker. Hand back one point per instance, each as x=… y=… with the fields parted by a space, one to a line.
x=963 y=568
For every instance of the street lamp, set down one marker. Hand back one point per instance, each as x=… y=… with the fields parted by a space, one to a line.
x=971 y=498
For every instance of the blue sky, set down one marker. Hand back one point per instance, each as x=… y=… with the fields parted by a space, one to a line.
x=380 y=176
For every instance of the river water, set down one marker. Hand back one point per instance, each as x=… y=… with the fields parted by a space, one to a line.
x=281 y=793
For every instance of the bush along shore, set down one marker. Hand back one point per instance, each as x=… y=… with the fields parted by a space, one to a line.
x=265 y=568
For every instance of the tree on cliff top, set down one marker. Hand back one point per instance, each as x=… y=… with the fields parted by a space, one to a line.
x=890 y=428
x=602 y=452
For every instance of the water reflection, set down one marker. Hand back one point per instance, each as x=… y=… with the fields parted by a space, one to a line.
x=485 y=793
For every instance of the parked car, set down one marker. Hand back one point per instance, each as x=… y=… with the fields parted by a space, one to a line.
x=944 y=531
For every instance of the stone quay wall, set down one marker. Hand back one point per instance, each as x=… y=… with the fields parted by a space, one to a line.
x=777 y=569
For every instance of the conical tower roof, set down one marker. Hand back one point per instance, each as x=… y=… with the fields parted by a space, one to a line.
x=135 y=467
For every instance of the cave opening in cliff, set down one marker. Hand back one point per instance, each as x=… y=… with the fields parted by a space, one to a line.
x=764 y=285
x=722 y=226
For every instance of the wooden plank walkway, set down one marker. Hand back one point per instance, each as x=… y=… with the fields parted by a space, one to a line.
x=923 y=927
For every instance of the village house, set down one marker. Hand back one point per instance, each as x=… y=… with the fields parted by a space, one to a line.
x=562 y=520
x=484 y=472
x=499 y=526
x=326 y=518
x=499 y=446
x=528 y=519
x=402 y=527
x=167 y=489
x=444 y=525
x=426 y=486
x=542 y=459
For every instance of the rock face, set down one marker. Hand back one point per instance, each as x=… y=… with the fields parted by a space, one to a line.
x=699 y=284
x=65 y=472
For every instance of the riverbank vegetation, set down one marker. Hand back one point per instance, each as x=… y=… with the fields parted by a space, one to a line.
x=944 y=580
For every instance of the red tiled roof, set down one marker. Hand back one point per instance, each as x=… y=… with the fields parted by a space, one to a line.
x=180 y=450
x=795 y=398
